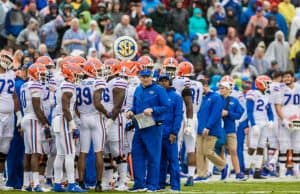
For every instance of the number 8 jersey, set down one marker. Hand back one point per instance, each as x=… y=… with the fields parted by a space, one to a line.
x=7 y=88
x=85 y=93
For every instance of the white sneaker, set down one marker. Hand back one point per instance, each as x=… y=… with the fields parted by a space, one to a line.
x=6 y=188
x=174 y=191
x=122 y=187
x=106 y=187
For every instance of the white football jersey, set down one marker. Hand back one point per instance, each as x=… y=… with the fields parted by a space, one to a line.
x=261 y=102
x=61 y=89
x=290 y=101
x=107 y=98
x=29 y=90
x=276 y=89
x=197 y=91
x=179 y=83
x=132 y=85
x=7 y=89
x=85 y=92
x=242 y=100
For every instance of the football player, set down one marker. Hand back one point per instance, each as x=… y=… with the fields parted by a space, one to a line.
x=287 y=108
x=34 y=123
x=65 y=128
x=91 y=111
x=261 y=119
x=8 y=105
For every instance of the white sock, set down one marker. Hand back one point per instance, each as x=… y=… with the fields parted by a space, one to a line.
x=210 y=168
x=69 y=163
x=27 y=178
x=296 y=169
x=282 y=169
x=35 y=178
x=107 y=177
x=257 y=161
x=58 y=168
x=228 y=162
x=50 y=166
x=191 y=171
x=122 y=168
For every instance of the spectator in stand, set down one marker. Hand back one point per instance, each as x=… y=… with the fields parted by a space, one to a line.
x=136 y=13
x=101 y=11
x=274 y=69
x=231 y=19
x=287 y=10
x=74 y=38
x=67 y=14
x=211 y=53
x=294 y=26
x=279 y=50
x=196 y=58
x=197 y=24
x=246 y=15
x=29 y=36
x=216 y=68
x=280 y=21
x=211 y=9
x=235 y=55
x=170 y=39
x=14 y=22
x=218 y=20
x=246 y=69
x=147 y=33
x=116 y=13
x=124 y=28
x=178 y=21
x=255 y=39
x=32 y=12
x=85 y=20
x=295 y=47
x=226 y=65
x=234 y=5
x=108 y=38
x=181 y=42
x=270 y=30
x=230 y=39
x=80 y=6
x=52 y=14
x=212 y=41
x=159 y=48
x=159 y=24
x=43 y=51
x=93 y=36
x=149 y=6
x=257 y=20
x=17 y=59
x=259 y=61
x=5 y=6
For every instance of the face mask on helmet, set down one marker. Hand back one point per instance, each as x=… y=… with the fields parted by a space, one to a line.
x=6 y=62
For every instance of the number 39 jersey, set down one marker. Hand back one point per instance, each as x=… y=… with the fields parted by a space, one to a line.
x=7 y=88
x=29 y=90
x=197 y=91
x=85 y=92
x=108 y=98
x=261 y=102
x=290 y=101
x=61 y=89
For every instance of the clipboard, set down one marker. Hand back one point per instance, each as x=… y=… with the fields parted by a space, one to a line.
x=144 y=121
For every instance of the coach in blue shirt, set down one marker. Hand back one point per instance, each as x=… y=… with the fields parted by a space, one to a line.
x=171 y=127
x=152 y=100
x=209 y=129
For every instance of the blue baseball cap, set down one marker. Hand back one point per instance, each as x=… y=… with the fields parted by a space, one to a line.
x=163 y=76
x=145 y=72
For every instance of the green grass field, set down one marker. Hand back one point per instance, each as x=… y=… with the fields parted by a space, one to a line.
x=229 y=188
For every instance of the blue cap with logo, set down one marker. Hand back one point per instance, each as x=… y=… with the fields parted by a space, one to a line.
x=145 y=72
x=163 y=76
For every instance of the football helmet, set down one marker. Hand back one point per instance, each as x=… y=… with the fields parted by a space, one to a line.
x=37 y=72
x=170 y=66
x=47 y=61
x=94 y=68
x=73 y=72
x=6 y=60
x=185 y=69
x=227 y=82
x=263 y=82
x=111 y=66
x=146 y=62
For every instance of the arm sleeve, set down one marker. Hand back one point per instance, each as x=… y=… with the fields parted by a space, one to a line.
x=237 y=113
x=178 y=115
x=121 y=83
x=270 y=112
x=250 y=110
x=163 y=102
x=216 y=112
x=99 y=84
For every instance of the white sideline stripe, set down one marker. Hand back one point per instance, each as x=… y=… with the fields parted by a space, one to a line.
x=233 y=192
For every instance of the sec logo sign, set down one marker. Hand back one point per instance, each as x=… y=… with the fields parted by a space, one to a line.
x=125 y=48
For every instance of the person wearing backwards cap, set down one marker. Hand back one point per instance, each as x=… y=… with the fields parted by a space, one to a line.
x=152 y=100
x=171 y=127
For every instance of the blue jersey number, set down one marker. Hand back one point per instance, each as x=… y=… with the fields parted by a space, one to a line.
x=84 y=96
x=105 y=96
x=260 y=105
x=295 y=98
x=10 y=88
x=23 y=99
x=195 y=96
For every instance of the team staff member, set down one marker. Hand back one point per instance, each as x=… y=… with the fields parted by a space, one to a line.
x=232 y=111
x=209 y=129
x=152 y=100
x=171 y=127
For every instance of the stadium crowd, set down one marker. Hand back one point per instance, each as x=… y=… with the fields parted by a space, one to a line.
x=232 y=66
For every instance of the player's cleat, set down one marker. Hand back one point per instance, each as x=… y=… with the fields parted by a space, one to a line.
x=82 y=185
x=6 y=188
x=49 y=182
x=173 y=191
x=58 y=188
x=28 y=189
x=258 y=175
x=216 y=171
x=122 y=187
x=224 y=173
x=199 y=178
x=189 y=182
x=240 y=176
x=38 y=188
x=74 y=188
x=135 y=190
x=98 y=187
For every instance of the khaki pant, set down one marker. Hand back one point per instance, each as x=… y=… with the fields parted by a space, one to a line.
x=231 y=141
x=206 y=150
